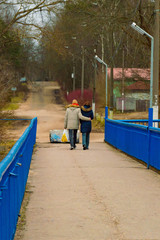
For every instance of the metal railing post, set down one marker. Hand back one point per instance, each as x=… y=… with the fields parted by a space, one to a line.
x=106 y=112
x=106 y=116
x=150 y=124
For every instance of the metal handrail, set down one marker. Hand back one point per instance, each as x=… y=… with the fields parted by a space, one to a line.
x=14 y=170
x=139 y=141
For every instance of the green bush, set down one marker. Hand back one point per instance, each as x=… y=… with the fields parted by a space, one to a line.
x=10 y=107
x=16 y=99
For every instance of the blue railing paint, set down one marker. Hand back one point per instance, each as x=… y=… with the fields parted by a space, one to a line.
x=142 y=122
x=14 y=170
x=106 y=117
x=150 y=124
x=154 y=147
x=124 y=136
x=139 y=141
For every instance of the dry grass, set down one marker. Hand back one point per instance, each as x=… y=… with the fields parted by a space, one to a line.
x=5 y=147
x=22 y=219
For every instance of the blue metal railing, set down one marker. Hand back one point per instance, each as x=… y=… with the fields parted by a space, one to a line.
x=139 y=121
x=143 y=122
x=14 y=170
x=137 y=138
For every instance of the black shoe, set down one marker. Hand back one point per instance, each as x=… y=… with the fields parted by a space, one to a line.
x=75 y=146
x=84 y=148
x=71 y=148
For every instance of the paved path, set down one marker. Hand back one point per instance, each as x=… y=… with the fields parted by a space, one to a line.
x=99 y=194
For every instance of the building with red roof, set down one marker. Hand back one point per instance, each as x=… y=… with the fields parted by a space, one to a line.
x=136 y=88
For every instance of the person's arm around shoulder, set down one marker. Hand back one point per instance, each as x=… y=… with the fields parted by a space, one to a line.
x=66 y=119
x=83 y=117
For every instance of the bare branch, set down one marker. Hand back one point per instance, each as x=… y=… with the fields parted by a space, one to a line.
x=22 y=14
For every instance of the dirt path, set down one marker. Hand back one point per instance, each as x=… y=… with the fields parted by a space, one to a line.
x=42 y=104
x=45 y=104
x=99 y=194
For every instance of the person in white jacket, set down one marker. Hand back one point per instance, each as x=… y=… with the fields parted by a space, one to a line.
x=71 y=121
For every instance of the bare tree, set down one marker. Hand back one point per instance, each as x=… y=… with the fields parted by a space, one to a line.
x=19 y=11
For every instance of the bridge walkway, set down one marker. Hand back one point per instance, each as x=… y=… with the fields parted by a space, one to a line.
x=99 y=194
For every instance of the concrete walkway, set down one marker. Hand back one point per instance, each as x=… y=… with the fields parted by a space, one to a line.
x=99 y=194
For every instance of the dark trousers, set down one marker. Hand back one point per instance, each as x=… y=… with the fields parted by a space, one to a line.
x=72 y=137
x=85 y=139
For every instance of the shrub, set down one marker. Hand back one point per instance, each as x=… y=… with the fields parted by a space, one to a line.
x=87 y=96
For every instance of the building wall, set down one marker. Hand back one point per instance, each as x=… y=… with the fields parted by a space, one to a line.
x=138 y=96
x=129 y=104
x=133 y=102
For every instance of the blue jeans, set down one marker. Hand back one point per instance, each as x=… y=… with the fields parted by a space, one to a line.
x=85 y=139
x=73 y=137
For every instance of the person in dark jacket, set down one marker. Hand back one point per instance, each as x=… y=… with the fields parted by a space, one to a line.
x=86 y=126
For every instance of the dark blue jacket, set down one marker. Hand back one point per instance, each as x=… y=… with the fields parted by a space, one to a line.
x=86 y=126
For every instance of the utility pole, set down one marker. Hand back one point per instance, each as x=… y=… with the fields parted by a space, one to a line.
x=102 y=41
x=123 y=81
x=74 y=72
x=82 y=76
x=156 y=62
x=111 y=76
x=111 y=81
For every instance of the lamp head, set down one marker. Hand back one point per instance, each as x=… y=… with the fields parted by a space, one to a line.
x=133 y=25
x=98 y=59
x=137 y=28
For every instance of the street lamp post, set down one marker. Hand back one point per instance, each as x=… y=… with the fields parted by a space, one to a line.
x=102 y=62
x=142 y=32
x=94 y=86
